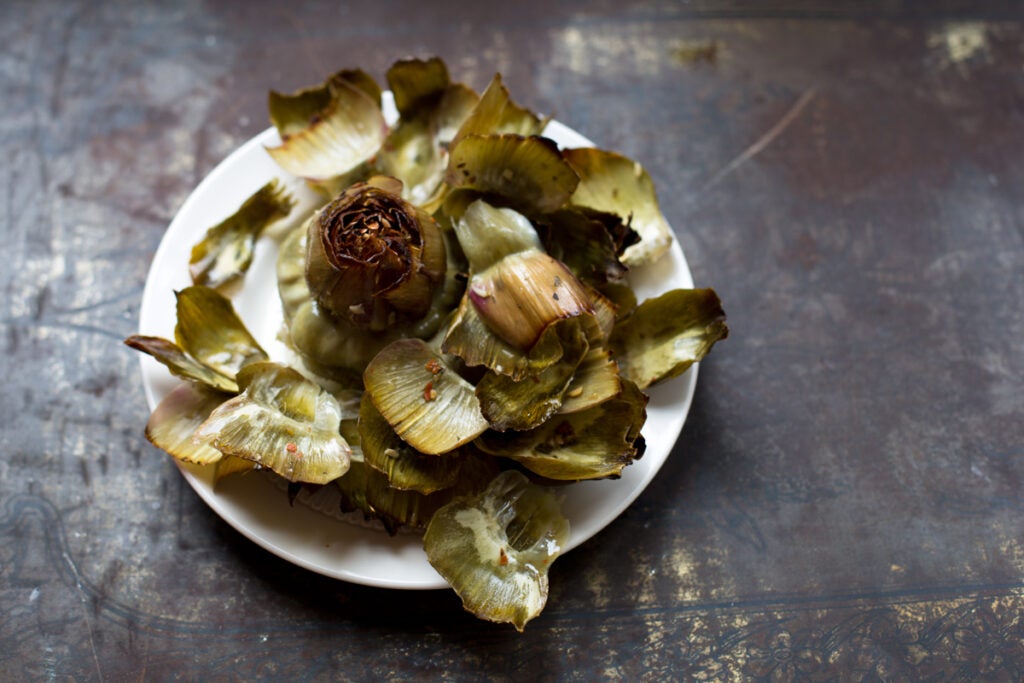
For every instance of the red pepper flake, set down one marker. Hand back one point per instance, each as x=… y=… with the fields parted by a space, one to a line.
x=429 y=394
x=502 y=557
x=291 y=448
x=434 y=366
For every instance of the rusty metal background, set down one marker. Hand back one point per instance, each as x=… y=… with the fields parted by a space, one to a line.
x=846 y=498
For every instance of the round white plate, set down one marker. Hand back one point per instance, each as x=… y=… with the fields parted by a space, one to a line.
x=257 y=509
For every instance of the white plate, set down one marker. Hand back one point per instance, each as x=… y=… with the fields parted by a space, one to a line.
x=303 y=536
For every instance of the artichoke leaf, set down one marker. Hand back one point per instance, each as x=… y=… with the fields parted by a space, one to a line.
x=417 y=84
x=181 y=364
x=595 y=443
x=664 y=336
x=616 y=184
x=596 y=380
x=497 y=113
x=225 y=252
x=529 y=173
x=488 y=234
x=405 y=467
x=174 y=422
x=495 y=549
x=472 y=340
x=337 y=140
x=294 y=112
x=396 y=508
x=210 y=331
x=424 y=400
x=526 y=404
x=282 y=421
x=416 y=149
x=291 y=271
x=522 y=294
x=584 y=243
x=232 y=464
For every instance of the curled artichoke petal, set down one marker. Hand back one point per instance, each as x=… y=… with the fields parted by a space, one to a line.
x=595 y=443
x=181 y=364
x=664 y=336
x=524 y=293
x=424 y=400
x=225 y=252
x=522 y=405
x=488 y=234
x=497 y=113
x=529 y=173
x=347 y=132
x=405 y=467
x=495 y=548
x=210 y=331
x=613 y=183
x=174 y=422
x=283 y=422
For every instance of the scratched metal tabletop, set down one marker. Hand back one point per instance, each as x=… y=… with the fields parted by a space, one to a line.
x=845 y=499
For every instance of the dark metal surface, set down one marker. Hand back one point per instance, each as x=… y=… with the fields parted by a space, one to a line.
x=846 y=497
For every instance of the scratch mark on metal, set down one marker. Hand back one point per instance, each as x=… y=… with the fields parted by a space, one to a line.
x=765 y=140
x=85 y=612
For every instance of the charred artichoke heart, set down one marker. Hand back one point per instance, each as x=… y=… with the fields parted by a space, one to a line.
x=372 y=258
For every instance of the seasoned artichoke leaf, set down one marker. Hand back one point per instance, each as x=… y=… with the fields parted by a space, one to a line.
x=210 y=331
x=225 y=252
x=591 y=444
x=488 y=234
x=283 y=422
x=181 y=364
x=528 y=172
x=427 y=403
x=495 y=549
x=405 y=467
x=174 y=422
x=526 y=404
x=346 y=133
x=613 y=183
x=596 y=380
x=665 y=335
